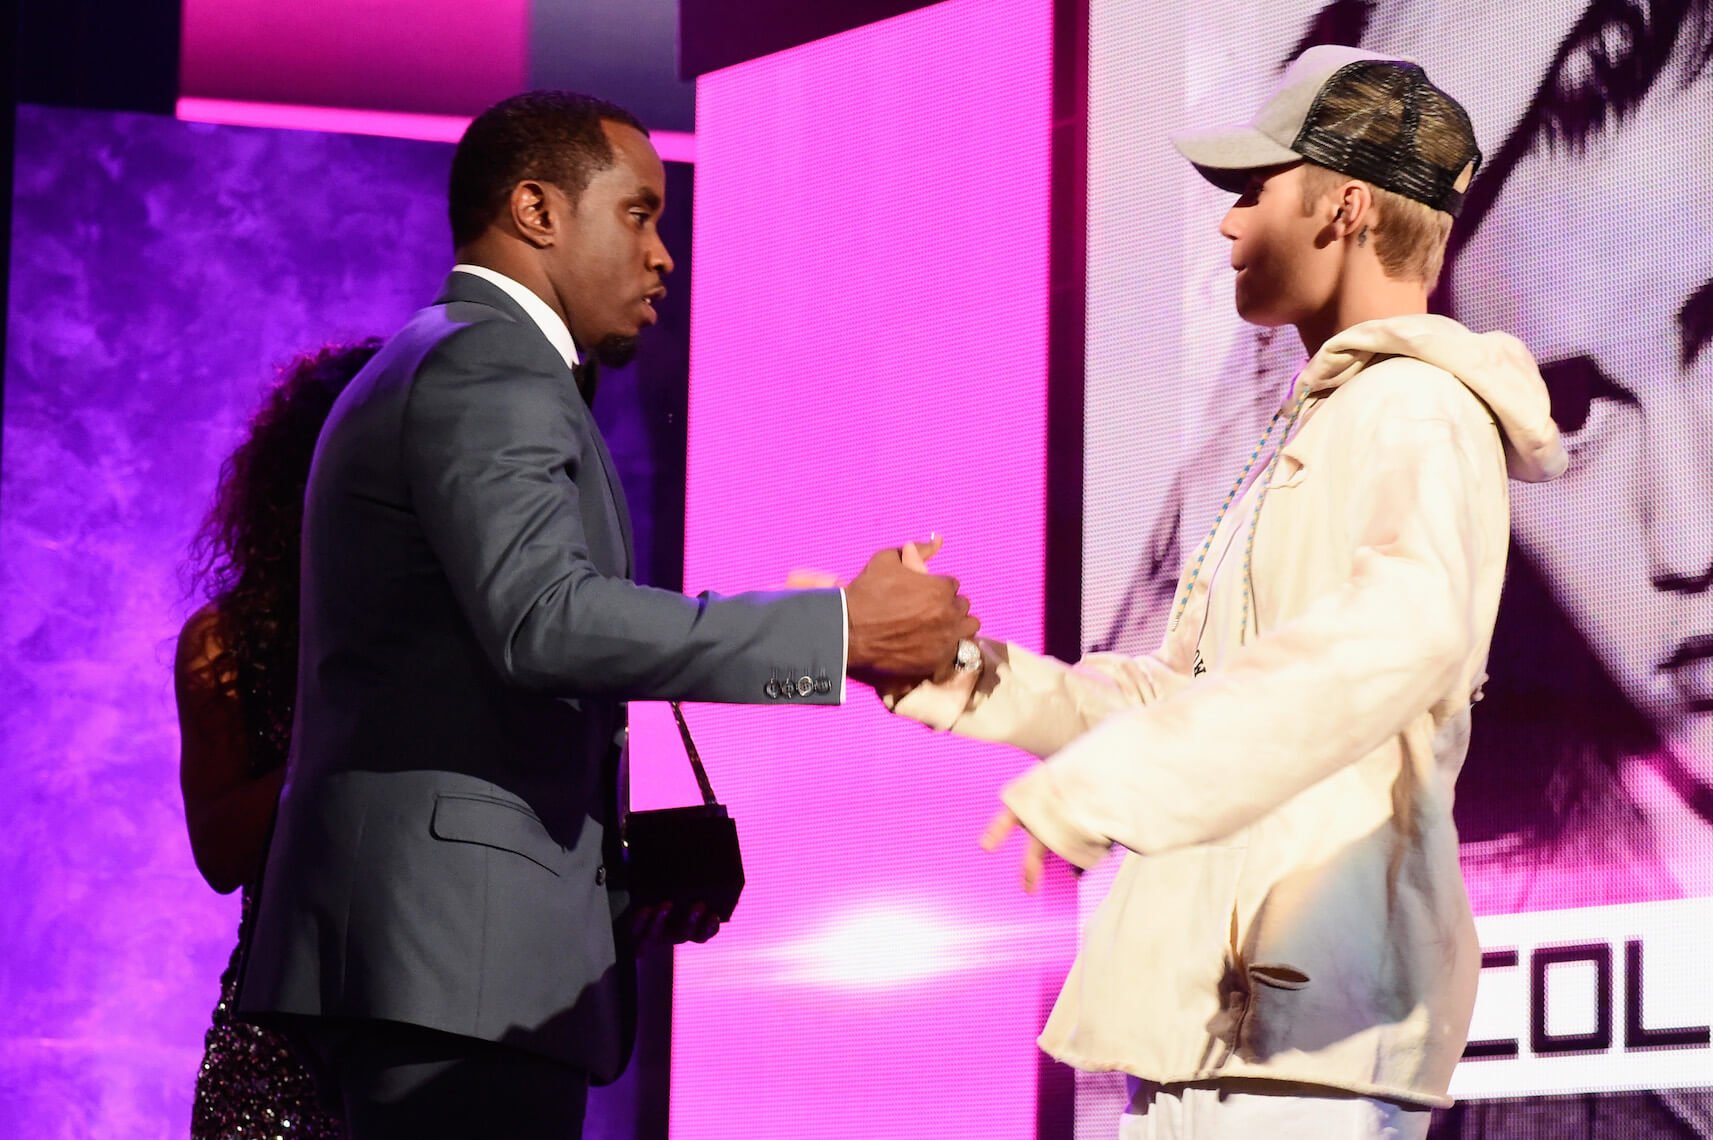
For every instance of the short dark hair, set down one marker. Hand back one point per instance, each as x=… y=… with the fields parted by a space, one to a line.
x=554 y=136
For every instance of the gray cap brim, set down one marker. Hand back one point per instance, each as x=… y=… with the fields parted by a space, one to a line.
x=1226 y=157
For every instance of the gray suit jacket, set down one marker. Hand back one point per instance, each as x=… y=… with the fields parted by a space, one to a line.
x=445 y=849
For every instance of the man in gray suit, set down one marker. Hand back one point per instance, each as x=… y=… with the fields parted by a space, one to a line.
x=436 y=920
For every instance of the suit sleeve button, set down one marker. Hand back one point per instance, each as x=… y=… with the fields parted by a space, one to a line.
x=601 y=876
x=772 y=690
x=805 y=686
x=823 y=686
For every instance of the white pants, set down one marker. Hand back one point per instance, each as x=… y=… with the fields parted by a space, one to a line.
x=1263 y=1110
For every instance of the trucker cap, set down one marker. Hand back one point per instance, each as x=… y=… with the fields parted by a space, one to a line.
x=1373 y=117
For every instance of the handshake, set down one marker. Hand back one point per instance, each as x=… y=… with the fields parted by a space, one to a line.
x=906 y=624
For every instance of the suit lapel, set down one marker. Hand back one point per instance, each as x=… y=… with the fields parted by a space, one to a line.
x=470 y=288
x=615 y=496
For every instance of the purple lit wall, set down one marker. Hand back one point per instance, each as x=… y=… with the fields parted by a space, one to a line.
x=160 y=272
x=869 y=364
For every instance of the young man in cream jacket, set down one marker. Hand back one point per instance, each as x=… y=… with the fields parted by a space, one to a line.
x=1288 y=949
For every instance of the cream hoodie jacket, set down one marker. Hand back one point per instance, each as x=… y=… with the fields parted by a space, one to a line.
x=1290 y=906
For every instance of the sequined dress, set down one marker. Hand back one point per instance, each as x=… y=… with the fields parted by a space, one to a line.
x=251 y=1086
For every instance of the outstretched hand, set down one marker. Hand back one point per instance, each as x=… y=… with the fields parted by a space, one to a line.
x=1034 y=851
x=905 y=622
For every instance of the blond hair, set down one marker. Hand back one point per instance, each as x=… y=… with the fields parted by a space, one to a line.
x=1409 y=237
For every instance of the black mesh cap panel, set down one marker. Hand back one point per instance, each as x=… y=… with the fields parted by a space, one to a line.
x=1382 y=121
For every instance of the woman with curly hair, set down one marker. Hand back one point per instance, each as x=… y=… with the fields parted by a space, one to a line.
x=235 y=680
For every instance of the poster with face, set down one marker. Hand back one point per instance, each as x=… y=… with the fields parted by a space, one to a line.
x=1586 y=802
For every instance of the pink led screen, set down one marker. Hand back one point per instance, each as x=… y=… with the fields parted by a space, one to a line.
x=869 y=347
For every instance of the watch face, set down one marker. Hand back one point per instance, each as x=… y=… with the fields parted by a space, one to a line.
x=969 y=655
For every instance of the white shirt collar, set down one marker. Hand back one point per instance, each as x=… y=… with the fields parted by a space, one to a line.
x=545 y=318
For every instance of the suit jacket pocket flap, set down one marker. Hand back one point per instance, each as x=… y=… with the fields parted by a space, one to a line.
x=495 y=823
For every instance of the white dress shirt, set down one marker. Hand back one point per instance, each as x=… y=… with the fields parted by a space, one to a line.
x=545 y=318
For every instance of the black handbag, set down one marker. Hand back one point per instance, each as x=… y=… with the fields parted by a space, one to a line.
x=683 y=855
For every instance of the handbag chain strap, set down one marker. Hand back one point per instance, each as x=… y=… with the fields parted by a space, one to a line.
x=695 y=757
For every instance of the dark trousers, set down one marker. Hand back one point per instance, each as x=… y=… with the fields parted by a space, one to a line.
x=390 y=1081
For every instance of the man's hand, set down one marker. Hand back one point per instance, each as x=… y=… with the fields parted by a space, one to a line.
x=1034 y=854
x=905 y=623
x=665 y=923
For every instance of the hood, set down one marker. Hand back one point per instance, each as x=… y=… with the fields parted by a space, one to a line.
x=1495 y=366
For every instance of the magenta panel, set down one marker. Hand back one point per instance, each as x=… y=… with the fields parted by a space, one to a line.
x=672 y=146
x=428 y=56
x=868 y=364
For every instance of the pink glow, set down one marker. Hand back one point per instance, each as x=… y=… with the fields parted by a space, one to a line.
x=443 y=57
x=868 y=364
x=337 y=120
x=672 y=146
x=881 y=946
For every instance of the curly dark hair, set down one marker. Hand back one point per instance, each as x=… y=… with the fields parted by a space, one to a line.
x=554 y=136
x=245 y=556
